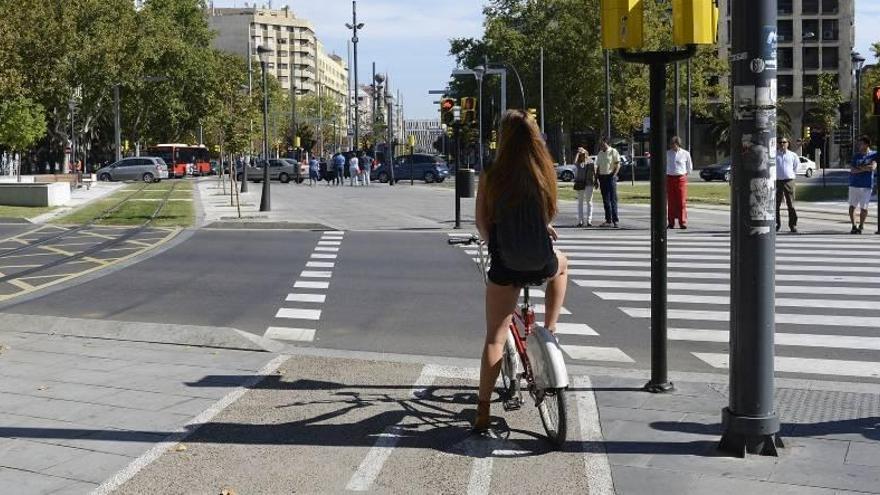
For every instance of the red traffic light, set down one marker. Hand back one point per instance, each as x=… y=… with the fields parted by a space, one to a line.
x=446 y=104
x=876 y=98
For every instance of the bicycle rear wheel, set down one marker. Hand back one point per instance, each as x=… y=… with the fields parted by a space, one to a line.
x=510 y=369
x=554 y=415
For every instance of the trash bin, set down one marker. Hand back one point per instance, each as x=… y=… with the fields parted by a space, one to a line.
x=465 y=178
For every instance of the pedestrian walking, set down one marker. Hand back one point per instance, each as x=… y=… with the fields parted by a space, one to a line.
x=678 y=166
x=314 y=168
x=607 y=165
x=861 y=173
x=339 y=165
x=366 y=167
x=354 y=171
x=786 y=172
x=585 y=182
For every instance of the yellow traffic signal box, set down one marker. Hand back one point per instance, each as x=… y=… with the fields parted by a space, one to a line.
x=622 y=24
x=694 y=22
x=468 y=110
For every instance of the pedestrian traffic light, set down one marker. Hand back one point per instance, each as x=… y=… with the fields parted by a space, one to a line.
x=296 y=142
x=876 y=98
x=622 y=24
x=468 y=110
x=533 y=113
x=694 y=22
x=446 y=115
x=806 y=132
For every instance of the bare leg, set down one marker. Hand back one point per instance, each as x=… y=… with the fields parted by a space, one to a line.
x=556 y=293
x=852 y=216
x=863 y=215
x=500 y=303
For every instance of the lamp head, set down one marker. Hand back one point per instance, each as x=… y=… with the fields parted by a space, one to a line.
x=264 y=50
x=360 y=25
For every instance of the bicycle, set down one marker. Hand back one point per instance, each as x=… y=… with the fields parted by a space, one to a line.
x=541 y=367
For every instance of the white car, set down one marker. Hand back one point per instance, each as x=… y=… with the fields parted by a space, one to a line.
x=806 y=167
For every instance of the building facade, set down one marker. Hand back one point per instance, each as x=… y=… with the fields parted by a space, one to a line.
x=814 y=37
x=299 y=63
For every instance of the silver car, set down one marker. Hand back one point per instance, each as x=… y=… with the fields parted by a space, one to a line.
x=279 y=169
x=145 y=168
x=565 y=172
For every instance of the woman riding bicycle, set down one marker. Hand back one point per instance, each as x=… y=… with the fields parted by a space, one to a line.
x=516 y=201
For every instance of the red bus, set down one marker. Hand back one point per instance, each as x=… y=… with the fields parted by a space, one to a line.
x=183 y=159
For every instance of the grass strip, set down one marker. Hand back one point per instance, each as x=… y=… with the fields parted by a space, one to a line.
x=23 y=211
x=135 y=211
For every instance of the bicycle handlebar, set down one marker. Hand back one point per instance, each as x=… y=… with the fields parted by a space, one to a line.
x=473 y=239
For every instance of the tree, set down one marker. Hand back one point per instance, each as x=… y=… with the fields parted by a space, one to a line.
x=870 y=80
x=827 y=105
x=22 y=123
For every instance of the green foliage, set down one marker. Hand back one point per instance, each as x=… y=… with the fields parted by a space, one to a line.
x=870 y=80
x=22 y=123
x=828 y=102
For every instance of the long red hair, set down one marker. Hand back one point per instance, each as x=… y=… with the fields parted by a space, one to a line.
x=523 y=168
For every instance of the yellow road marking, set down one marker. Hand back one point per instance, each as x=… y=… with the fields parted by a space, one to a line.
x=57 y=251
x=4 y=267
x=96 y=260
x=138 y=243
x=26 y=287
x=47 y=276
x=27 y=255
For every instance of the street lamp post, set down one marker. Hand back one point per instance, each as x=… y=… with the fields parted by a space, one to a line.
x=809 y=35
x=263 y=52
x=858 y=61
x=354 y=26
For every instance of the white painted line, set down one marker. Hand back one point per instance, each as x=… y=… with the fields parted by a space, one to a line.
x=327 y=249
x=290 y=334
x=313 y=298
x=783 y=277
x=724 y=300
x=306 y=284
x=586 y=253
x=592 y=353
x=533 y=292
x=369 y=469
x=128 y=472
x=574 y=329
x=541 y=309
x=790 y=319
x=782 y=339
x=329 y=243
x=299 y=314
x=480 y=479
x=315 y=274
x=598 y=259
x=681 y=286
x=453 y=372
x=320 y=264
x=867 y=369
x=322 y=256
x=596 y=465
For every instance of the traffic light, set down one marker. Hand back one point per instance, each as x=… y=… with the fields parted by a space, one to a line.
x=533 y=113
x=622 y=24
x=806 y=133
x=446 y=115
x=468 y=110
x=694 y=22
x=876 y=98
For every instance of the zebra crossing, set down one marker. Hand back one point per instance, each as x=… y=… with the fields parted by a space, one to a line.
x=827 y=304
x=571 y=327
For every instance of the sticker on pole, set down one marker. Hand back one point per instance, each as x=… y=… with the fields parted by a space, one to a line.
x=768 y=47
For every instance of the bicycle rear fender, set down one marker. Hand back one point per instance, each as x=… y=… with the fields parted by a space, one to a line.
x=546 y=359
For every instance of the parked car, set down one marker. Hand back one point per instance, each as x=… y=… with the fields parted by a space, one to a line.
x=420 y=166
x=303 y=169
x=806 y=167
x=145 y=168
x=565 y=172
x=719 y=171
x=641 y=166
x=280 y=169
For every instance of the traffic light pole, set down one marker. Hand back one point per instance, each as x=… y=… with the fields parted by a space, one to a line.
x=750 y=423
x=657 y=63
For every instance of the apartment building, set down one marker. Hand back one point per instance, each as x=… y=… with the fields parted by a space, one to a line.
x=299 y=62
x=814 y=37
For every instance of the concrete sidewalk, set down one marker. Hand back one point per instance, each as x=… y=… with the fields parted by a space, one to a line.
x=332 y=421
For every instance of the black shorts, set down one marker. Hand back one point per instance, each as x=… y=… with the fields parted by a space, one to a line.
x=501 y=275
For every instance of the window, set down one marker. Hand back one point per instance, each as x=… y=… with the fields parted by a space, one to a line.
x=282 y=41
x=830 y=6
x=784 y=7
x=810 y=6
x=283 y=66
x=786 y=58
x=785 y=85
x=810 y=30
x=282 y=79
x=784 y=30
x=830 y=29
x=811 y=85
x=811 y=58
x=829 y=58
x=282 y=53
x=270 y=65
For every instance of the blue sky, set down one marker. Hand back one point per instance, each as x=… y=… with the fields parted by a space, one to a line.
x=409 y=38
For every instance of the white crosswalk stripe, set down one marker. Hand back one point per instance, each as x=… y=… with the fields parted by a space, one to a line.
x=826 y=295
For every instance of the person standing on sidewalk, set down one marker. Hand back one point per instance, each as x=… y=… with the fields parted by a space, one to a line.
x=354 y=171
x=585 y=183
x=339 y=166
x=786 y=172
x=861 y=174
x=608 y=164
x=314 y=167
x=678 y=166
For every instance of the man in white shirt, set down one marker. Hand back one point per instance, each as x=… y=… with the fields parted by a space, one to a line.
x=678 y=166
x=608 y=164
x=786 y=171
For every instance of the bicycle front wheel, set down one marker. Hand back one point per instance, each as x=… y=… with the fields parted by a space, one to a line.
x=554 y=415
x=510 y=368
